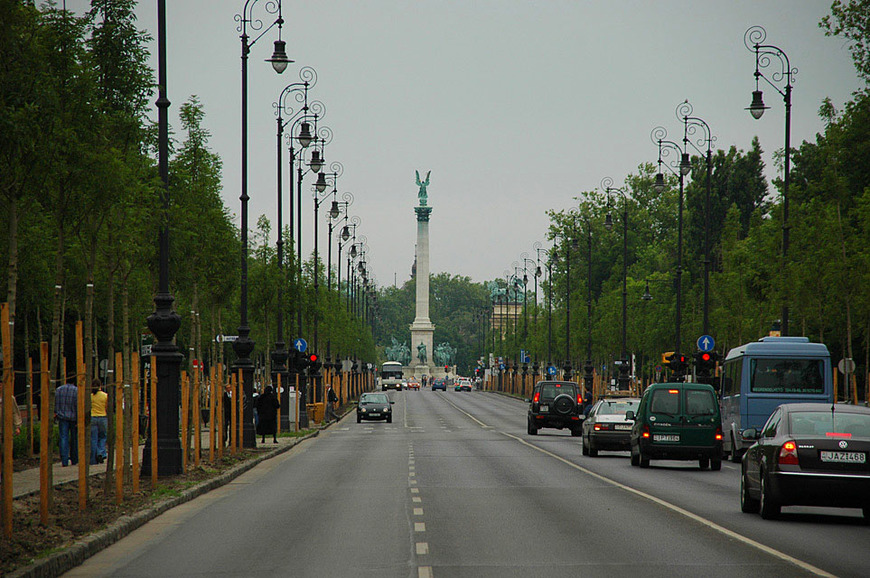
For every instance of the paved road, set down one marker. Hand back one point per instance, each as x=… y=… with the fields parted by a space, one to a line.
x=455 y=487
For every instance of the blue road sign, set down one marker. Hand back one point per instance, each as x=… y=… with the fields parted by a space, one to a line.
x=706 y=343
x=551 y=370
x=501 y=366
x=300 y=345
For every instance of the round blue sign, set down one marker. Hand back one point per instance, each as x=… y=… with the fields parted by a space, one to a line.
x=706 y=343
x=551 y=370
x=300 y=345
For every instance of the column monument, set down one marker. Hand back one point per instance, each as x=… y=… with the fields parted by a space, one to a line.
x=422 y=328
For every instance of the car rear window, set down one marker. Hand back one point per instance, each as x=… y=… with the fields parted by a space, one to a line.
x=787 y=376
x=824 y=423
x=551 y=390
x=616 y=407
x=665 y=401
x=700 y=402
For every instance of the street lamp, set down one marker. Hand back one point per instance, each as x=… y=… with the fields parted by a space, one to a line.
x=606 y=183
x=244 y=346
x=570 y=243
x=164 y=322
x=549 y=264
x=658 y=136
x=753 y=39
x=336 y=210
x=297 y=118
x=691 y=124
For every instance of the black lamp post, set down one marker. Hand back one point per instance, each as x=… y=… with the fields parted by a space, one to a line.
x=551 y=254
x=296 y=117
x=164 y=322
x=570 y=243
x=753 y=39
x=337 y=209
x=683 y=168
x=691 y=124
x=606 y=183
x=244 y=346
x=588 y=375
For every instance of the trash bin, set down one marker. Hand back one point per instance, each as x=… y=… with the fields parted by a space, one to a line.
x=315 y=411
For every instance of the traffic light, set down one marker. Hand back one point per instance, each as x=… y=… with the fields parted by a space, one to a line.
x=446 y=368
x=314 y=362
x=677 y=363
x=705 y=363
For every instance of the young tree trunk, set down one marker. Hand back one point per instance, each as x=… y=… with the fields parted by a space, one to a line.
x=12 y=268
x=111 y=389
x=130 y=445
x=56 y=344
x=848 y=298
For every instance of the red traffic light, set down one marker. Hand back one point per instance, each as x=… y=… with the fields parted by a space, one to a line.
x=682 y=359
x=705 y=356
x=446 y=368
x=312 y=358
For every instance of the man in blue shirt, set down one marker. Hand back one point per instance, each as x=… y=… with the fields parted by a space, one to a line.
x=66 y=414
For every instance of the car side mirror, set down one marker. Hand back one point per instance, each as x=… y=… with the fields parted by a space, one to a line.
x=392 y=403
x=629 y=415
x=751 y=434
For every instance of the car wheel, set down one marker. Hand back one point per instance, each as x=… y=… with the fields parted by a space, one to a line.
x=748 y=504
x=593 y=452
x=576 y=432
x=866 y=510
x=584 y=446
x=704 y=463
x=635 y=459
x=533 y=431
x=389 y=419
x=735 y=452
x=358 y=419
x=770 y=506
x=716 y=464
x=644 y=460
x=563 y=404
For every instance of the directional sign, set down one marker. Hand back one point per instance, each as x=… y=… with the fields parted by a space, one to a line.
x=300 y=345
x=706 y=343
x=551 y=370
x=501 y=366
x=226 y=338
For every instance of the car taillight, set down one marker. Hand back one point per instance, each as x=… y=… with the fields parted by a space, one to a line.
x=597 y=427
x=537 y=397
x=718 y=434
x=645 y=431
x=836 y=434
x=788 y=454
x=579 y=399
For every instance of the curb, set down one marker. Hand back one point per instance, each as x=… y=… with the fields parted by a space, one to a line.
x=81 y=550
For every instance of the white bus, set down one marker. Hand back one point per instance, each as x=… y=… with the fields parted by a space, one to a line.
x=391 y=376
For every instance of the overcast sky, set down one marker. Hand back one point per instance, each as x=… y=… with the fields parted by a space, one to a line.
x=515 y=106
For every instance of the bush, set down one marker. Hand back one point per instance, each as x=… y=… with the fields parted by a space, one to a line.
x=19 y=442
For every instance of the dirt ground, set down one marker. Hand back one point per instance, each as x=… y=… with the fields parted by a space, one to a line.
x=30 y=540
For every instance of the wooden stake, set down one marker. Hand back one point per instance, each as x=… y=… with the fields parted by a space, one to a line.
x=219 y=404
x=296 y=394
x=152 y=418
x=197 y=415
x=44 y=429
x=185 y=408
x=30 y=412
x=233 y=415
x=8 y=400
x=119 y=427
x=212 y=414
x=279 y=406
x=84 y=453
x=134 y=415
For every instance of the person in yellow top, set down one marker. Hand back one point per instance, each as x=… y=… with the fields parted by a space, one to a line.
x=99 y=422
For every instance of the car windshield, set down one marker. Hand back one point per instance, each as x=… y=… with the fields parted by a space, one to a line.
x=700 y=402
x=828 y=424
x=550 y=391
x=374 y=398
x=616 y=407
x=787 y=376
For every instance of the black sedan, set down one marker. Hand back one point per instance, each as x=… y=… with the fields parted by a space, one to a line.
x=808 y=454
x=374 y=406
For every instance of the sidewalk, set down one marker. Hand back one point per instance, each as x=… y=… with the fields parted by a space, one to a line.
x=26 y=482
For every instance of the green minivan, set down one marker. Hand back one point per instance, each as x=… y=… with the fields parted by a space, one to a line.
x=677 y=421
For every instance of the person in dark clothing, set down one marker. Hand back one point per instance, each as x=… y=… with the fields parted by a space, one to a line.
x=228 y=413
x=331 y=398
x=267 y=409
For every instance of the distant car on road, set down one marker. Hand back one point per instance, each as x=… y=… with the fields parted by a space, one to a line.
x=439 y=384
x=374 y=406
x=606 y=428
x=677 y=421
x=555 y=404
x=808 y=454
x=413 y=384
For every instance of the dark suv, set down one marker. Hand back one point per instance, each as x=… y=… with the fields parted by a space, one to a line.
x=556 y=404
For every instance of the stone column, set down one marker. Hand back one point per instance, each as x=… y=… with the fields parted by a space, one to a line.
x=422 y=329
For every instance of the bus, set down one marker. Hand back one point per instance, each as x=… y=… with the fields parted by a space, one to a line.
x=391 y=375
x=758 y=376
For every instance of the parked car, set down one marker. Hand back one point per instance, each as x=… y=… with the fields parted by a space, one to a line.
x=374 y=406
x=439 y=384
x=677 y=421
x=555 y=404
x=464 y=385
x=606 y=428
x=808 y=454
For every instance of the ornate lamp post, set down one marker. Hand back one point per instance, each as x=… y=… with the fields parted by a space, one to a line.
x=549 y=265
x=754 y=39
x=606 y=183
x=588 y=375
x=244 y=346
x=337 y=209
x=164 y=322
x=571 y=243
x=691 y=124
x=658 y=137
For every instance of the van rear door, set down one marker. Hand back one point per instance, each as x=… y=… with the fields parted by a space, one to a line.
x=700 y=418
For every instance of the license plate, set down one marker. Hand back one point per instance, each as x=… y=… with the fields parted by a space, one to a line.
x=375 y=414
x=844 y=457
x=622 y=426
x=666 y=437
x=545 y=407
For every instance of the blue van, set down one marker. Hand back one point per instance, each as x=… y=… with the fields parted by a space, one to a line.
x=758 y=376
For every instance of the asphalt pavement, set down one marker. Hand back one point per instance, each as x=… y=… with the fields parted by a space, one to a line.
x=455 y=487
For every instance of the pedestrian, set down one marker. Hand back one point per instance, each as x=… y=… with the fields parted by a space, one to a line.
x=66 y=414
x=331 y=398
x=228 y=412
x=267 y=406
x=99 y=422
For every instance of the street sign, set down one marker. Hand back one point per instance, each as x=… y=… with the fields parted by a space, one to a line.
x=551 y=370
x=146 y=351
x=226 y=338
x=501 y=366
x=706 y=343
x=300 y=345
x=846 y=365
